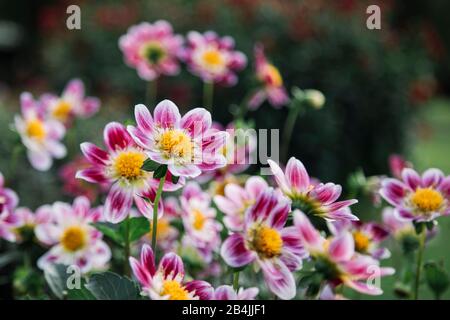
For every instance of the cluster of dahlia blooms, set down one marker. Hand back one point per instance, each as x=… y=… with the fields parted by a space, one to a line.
x=171 y=189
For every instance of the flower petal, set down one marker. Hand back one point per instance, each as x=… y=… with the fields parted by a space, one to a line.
x=167 y=115
x=235 y=253
x=94 y=154
x=118 y=204
x=297 y=176
x=116 y=136
x=342 y=247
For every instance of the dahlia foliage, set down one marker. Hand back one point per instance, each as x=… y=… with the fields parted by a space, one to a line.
x=163 y=208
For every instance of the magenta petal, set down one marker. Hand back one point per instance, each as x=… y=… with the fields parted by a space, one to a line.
x=297 y=176
x=432 y=178
x=279 y=176
x=144 y=119
x=139 y=272
x=342 y=247
x=201 y=289
x=148 y=259
x=116 y=136
x=235 y=253
x=196 y=121
x=171 y=264
x=309 y=235
x=118 y=204
x=225 y=293
x=393 y=191
x=142 y=139
x=92 y=175
x=94 y=154
x=411 y=178
x=167 y=114
x=363 y=287
x=255 y=185
x=278 y=278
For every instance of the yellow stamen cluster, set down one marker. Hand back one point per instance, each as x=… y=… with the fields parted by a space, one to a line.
x=362 y=241
x=267 y=242
x=128 y=164
x=176 y=143
x=62 y=110
x=73 y=238
x=199 y=220
x=427 y=199
x=274 y=76
x=213 y=57
x=174 y=290
x=35 y=129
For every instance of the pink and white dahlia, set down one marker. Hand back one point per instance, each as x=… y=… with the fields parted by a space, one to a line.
x=228 y=293
x=213 y=58
x=72 y=238
x=166 y=282
x=9 y=220
x=238 y=199
x=71 y=104
x=318 y=200
x=199 y=221
x=418 y=198
x=335 y=258
x=28 y=221
x=121 y=167
x=41 y=136
x=397 y=226
x=367 y=236
x=152 y=49
x=266 y=241
x=187 y=145
x=272 y=83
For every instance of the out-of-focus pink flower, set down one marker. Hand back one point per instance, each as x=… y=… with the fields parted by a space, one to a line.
x=396 y=226
x=9 y=220
x=272 y=83
x=396 y=164
x=152 y=49
x=121 y=167
x=76 y=187
x=228 y=293
x=71 y=104
x=418 y=198
x=238 y=199
x=266 y=241
x=336 y=259
x=72 y=238
x=213 y=58
x=166 y=282
x=199 y=220
x=187 y=145
x=41 y=136
x=319 y=200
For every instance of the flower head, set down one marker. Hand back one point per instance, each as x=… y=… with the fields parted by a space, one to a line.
x=166 y=282
x=152 y=49
x=28 y=221
x=266 y=241
x=72 y=103
x=228 y=293
x=418 y=198
x=9 y=220
x=213 y=58
x=187 y=145
x=72 y=238
x=121 y=167
x=335 y=258
x=319 y=200
x=272 y=87
x=40 y=135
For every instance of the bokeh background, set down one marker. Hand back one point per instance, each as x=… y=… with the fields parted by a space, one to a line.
x=387 y=90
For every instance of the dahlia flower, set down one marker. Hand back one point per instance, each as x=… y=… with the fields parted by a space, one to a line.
x=237 y=199
x=395 y=224
x=335 y=258
x=8 y=218
x=272 y=83
x=228 y=293
x=120 y=166
x=28 y=221
x=187 y=145
x=152 y=49
x=72 y=238
x=265 y=240
x=318 y=200
x=167 y=281
x=212 y=58
x=202 y=230
x=418 y=198
x=72 y=103
x=41 y=136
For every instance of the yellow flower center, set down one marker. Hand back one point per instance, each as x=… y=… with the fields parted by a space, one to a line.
x=36 y=129
x=213 y=57
x=176 y=143
x=362 y=241
x=274 y=75
x=199 y=220
x=153 y=52
x=128 y=164
x=267 y=242
x=427 y=199
x=174 y=290
x=73 y=238
x=162 y=229
x=62 y=110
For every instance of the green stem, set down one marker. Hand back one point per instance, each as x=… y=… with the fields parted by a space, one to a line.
x=236 y=281
x=126 y=265
x=208 y=95
x=14 y=160
x=151 y=93
x=419 y=262
x=288 y=129
x=155 y=212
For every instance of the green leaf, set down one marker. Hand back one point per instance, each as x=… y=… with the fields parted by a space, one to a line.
x=8 y=257
x=160 y=172
x=57 y=277
x=436 y=277
x=175 y=179
x=111 y=231
x=139 y=226
x=111 y=286
x=80 y=294
x=150 y=165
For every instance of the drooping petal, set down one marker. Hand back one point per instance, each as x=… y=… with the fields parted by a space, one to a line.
x=311 y=238
x=342 y=247
x=235 y=253
x=40 y=160
x=278 y=278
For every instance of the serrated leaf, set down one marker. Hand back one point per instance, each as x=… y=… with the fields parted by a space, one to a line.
x=150 y=165
x=111 y=231
x=160 y=172
x=111 y=286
